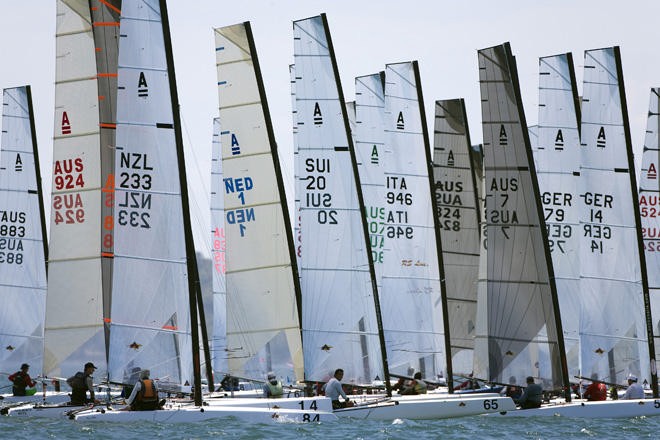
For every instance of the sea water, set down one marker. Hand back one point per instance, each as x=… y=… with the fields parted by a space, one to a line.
x=468 y=428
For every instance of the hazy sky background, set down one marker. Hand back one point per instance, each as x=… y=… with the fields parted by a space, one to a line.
x=443 y=36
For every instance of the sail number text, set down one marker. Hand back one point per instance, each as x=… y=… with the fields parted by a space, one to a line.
x=315 y=186
x=12 y=230
x=134 y=207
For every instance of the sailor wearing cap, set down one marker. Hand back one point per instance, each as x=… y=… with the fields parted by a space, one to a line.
x=80 y=383
x=635 y=390
x=273 y=387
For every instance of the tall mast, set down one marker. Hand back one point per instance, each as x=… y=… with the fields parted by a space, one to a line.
x=193 y=274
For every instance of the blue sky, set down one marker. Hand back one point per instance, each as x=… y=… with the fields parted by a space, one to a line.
x=443 y=36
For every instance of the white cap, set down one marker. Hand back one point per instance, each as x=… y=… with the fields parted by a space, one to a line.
x=632 y=377
x=271 y=375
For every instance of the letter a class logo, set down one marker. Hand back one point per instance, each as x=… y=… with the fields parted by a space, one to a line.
x=18 y=164
x=66 y=125
x=374 y=155
x=450 y=159
x=235 y=147
x=318 y=117
x=559 y=140
x=504 y=140
x=400 y=124
x=600 y=140
x=143 y=88
x=652 y=173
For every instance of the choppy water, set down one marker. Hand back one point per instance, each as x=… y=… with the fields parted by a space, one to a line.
x=463 y=428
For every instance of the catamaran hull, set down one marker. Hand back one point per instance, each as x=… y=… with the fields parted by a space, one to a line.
x=604 y=409
x=32 y=410
x=300 y=403
x=416 y=408
x=51 y=397
x=197 y=414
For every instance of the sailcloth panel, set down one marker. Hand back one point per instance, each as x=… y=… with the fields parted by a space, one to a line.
x=340 y=328
x=458 y=213
x=557 y=158
x=649 y=208
x=150 y=326
x=74 y=332
x=263 y=324
x=614 y=338
x=522 y=337
x=22 y=260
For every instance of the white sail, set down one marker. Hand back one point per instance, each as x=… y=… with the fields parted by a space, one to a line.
x=522 y=337
x=340 y=328
x=458 y=211
x=22 y=237
x=411 y=296
x=74 y=329
x=557 y=156
x=369 y=140
x=649 y=208
x=150 y=325
x=263 y=323
x=612 y=322
x=218 y=343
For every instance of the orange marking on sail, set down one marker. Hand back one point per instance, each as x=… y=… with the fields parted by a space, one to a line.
x=106 y=23
x=107 y=254
x=94 y=8
x=106 y=75
x=99 y=49
x=107 y=320
x=101 y=97
x=170 y=327
x=107 y=125
x=114 y=8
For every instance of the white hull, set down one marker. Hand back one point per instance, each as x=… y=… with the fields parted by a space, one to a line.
x=32 y=410
x=190 y=414
x=301 y=403
x=51 y=397
x=422 y=408
x=584 y=409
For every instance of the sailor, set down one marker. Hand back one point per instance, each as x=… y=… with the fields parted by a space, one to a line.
x=635 y=390
x=532 y=396
x=21 y=380
x=333 y=390
x=596 y=391
x=80 y=383
x=417 y=386
x=144 y=396
x=273 y=387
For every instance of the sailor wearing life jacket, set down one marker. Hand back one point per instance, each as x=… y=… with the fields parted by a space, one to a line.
x=144 y=396
x=21 y=380
x=80 y=383
x=273 y=387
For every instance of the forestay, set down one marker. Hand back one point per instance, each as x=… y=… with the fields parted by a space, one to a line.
x=74 y=329
x=458 y=212
x=649 y=208
x=523 y=336
x=412 y=303
x=150 y=326
x=557 y=157
x=340 y=325
x=23 y=248
x=219 y=261
x=263 y=323
x=613 y=283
